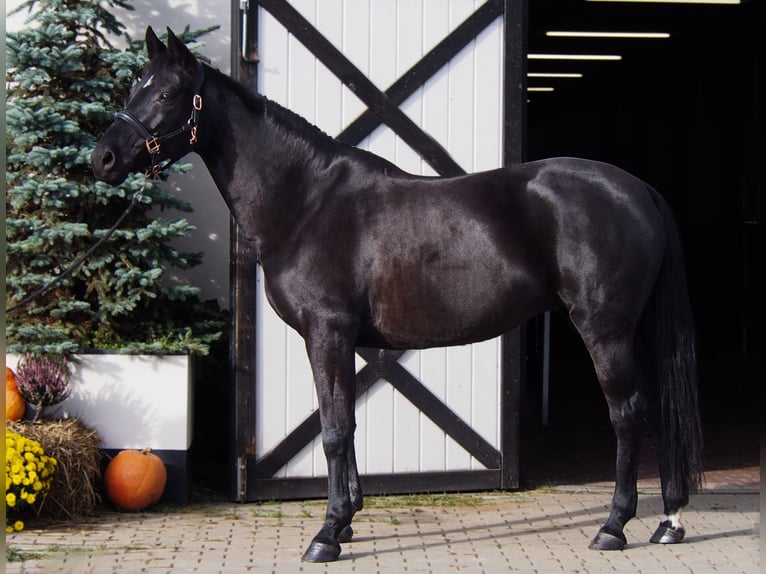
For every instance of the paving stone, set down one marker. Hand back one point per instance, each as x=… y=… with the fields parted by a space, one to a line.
x=541 y=531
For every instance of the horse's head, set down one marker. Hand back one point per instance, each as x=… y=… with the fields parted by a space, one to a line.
x=160 y=122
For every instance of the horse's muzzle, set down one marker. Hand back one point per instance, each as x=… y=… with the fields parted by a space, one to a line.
x=109 y=164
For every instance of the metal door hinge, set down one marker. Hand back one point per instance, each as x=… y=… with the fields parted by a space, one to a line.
x=248 y=30
x=241 y=472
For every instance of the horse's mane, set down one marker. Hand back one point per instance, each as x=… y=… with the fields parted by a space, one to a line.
x=283 y=117
x=319 y=145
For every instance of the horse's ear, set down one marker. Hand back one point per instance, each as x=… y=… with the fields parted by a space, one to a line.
x=154 y=46
x=178 y=49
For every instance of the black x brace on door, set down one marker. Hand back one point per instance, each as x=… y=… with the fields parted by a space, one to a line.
x=252 y=478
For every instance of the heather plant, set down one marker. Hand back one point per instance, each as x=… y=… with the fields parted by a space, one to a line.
x=43 y=380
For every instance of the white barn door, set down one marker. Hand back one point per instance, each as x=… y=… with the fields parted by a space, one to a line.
x=431 y=419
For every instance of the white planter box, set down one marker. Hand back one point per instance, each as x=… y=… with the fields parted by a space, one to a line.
x=133 y=402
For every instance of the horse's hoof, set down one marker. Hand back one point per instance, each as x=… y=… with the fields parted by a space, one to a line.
x=321 y=552
x=346 y=535
x=607 y=541
x=666 y=533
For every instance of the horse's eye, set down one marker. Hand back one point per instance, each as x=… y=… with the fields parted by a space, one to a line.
x=165 y=97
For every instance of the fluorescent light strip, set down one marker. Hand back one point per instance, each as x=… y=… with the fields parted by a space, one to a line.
x=553 y=75
x=675 y=1
x=562 y=34
x=540 y=89
x=603 y=57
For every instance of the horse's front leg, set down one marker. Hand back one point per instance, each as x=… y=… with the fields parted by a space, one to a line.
x=331 y=353
x=355 y=488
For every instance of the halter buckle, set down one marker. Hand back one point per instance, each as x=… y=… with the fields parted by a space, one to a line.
x=154 y=172
x=197 y=102
x=153 y=146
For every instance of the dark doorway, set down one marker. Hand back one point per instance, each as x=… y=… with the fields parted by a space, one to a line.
x=681 y=113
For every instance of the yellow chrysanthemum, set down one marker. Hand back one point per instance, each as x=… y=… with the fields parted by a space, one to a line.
x=28 y=475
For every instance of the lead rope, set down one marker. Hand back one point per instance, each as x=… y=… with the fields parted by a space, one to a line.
x=79 y=261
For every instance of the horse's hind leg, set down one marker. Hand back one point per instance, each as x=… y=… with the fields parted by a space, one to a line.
x=620 y=379
x=675 y=494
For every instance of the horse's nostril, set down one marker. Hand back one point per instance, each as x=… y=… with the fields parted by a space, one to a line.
x=107 y=159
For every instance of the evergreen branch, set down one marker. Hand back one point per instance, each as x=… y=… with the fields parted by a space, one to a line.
x=77 y=262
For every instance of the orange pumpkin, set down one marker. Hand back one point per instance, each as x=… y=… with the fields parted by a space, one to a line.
x=135 y=479
x=10 y=380
x=15 y=407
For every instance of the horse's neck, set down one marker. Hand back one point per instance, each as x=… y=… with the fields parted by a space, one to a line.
x=260 y=164
x=272 y=167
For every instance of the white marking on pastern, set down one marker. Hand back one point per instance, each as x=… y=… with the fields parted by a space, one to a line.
x=675 y=518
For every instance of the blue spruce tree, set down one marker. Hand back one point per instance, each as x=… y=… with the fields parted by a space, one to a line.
x=65 y=81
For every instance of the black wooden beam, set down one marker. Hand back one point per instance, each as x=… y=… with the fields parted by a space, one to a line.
x=426 y=67
x=311 y=427
x=385 y=365
x=394 y=483
x=431 y=406
x=515 y=82
x=426 y=146
x=242 y=294
x=513 y=345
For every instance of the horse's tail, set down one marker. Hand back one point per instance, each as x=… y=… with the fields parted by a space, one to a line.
x=681 y=431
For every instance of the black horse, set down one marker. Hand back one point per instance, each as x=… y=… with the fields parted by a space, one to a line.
x=358 y=253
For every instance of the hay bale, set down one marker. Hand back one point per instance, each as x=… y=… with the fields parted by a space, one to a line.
x=74 y=490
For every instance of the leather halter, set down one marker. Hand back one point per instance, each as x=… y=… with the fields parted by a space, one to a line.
x=153 y=141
